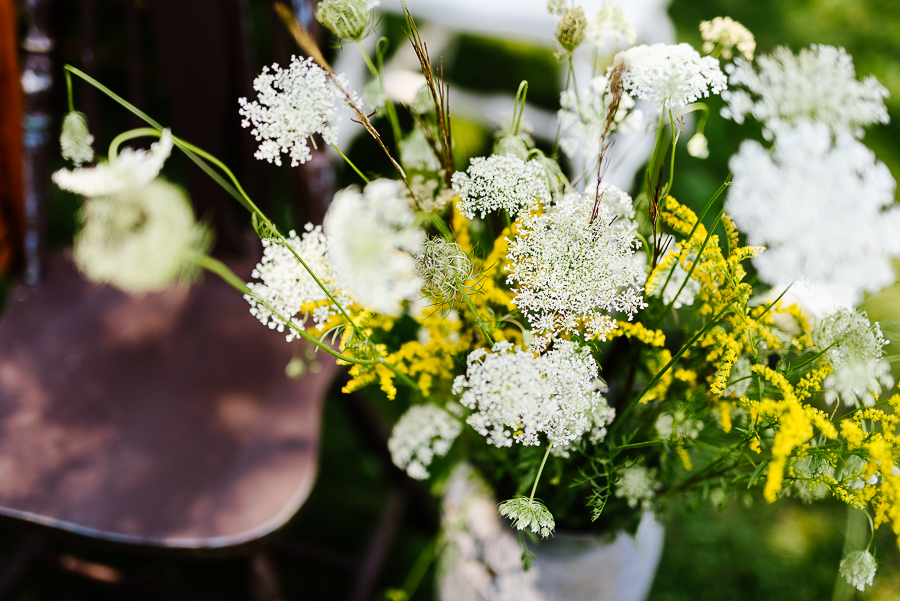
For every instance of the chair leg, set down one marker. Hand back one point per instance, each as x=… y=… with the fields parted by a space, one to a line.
x=263 y=578
x=27 y=553
x=379 y=545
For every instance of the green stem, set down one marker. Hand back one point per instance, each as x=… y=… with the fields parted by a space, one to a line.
x=349 y=162
x=130 y=135
x=420 y=568
x=69 y=90
x=222 y=270
x=540 y=470
x=656 y=159
x=668 y=187
x=521 y=94
x=475 y=314
x=388 y=103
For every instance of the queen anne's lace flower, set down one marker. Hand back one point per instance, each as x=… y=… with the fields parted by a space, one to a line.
x=130 y=169
x=444 y=267
x=372 y=238
x=582 y=118
x=826 y=213
x=610 y=28
x=637 y=485
x=528 y=513
x=143 y=239
x=858 y=568
x=76 y=139
x=855 y=348
x=286 y=291
x=727 y=33
x=347 y=19
x=293 y=105
x=517 y=396
x=499 y=182
x=423 y=433
x=670 y=75
x=569 y=273
x=570 y=29
x=817 y=85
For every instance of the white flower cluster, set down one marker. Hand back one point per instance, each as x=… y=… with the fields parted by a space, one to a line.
x=637 y=485
x=569 y=273
x=818 y=84
x=855 y=348
x=557 y=7
x=528 y=513
x=416 y=153
x=677 y=426
x=423 y=433
x=826 y=212
x=811 y=474
x=76 y=139
x=582 y=118
x=517 y=396
x=372 y=237
x=500 y=181
x=294 y=104
x=610 y=28
x=286 y=287
x=727 y=33
x=858 y=568
x=672 y=76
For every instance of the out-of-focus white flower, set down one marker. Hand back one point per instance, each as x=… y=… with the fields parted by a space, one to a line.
x=416 y=152
x=500 y=182
x=727 y=33
x=557 y=7
x=816 y=302
x=818 y=85
x=423 y=433
x=825 y=212
x=670 y=75
x=698 y=146
x=739 y=380
x=858 y=568
x=293 y=104
x=582 y=118
x=528 y=513
x=678 y=278
x=610 y=29
x=812 y=473
x=637 y=485
x=569 y=273
x=76 y=139
x=677 y=426
x=429 y=196
x=372 y=238
x=286 y=289
x=516 y=396
x=130 y=169
x=143 y=239
x=855 y=348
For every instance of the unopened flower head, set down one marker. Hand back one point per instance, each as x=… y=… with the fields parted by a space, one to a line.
x=582 y=118
x=858 y=569
x=811 y=475
x=372 y=238
x=500 y=182
x=637 y=485
x=726 y=33
x=698 y=146
x=517 y=396
x=293 y=104
x=143 y=239
x=825 y=211
x=528 y=513
x=423 y=433
x=855 y=348
x=570 y=29
x=129 y=169
x=444 y=268
x=672 y=76
x=611 y=29
x=347 y=19
x=817 y=85
x=76 y=139
x=429 y=194
x=286 y=292
x=568 y=272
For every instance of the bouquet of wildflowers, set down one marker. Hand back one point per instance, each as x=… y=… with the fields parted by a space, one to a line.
x=592 y=355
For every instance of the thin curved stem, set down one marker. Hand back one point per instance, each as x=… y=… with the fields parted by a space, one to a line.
x=349 y=162
x=130 y=135
x=471 y=306
x=540 y=471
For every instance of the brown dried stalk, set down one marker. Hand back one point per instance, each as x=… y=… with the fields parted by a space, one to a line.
x=616 y=90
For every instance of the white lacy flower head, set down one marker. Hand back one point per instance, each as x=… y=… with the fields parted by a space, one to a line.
x=610 y=28
x=516 y=396
x=528 y=513
x=429 y=196
x=727 y=33
x=855 y=348
x=811 y=475
x=582 y=118
x=372 y=237
x=858 y=569
x=637 y=485
x=670 y=75
x=76 y=139
x=817 y=85
x=444 y=268
x=143 y=239
x=423 y=433
x=500 y=182
x=568 y=272
x=825 y=211
x=293 y=104
x=130 y=169
x=286 y=290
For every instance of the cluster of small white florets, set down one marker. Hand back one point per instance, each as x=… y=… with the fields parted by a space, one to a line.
x=855 y=348
x=76 y=139
x=557 y=7
x=423 y=433
x=811 y=476
x=637 y=485
x=817 y=85
x=528 y=513
x=610 y=28
x=858 y=568
x=825 y=212
x=582 y=118
x=677 y=426
x=516 y=396
x=372 y=238
x=294 y=104
x=727 y=33
x=500 y=181
x=672 y=76
x=286 y=290
x=568 y=272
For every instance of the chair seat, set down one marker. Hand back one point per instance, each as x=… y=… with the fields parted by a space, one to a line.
x=166 y=420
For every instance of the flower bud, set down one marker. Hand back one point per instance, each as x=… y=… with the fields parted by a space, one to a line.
x=858 y=569
x=76 y=139
x=570 y=31
x=347 y=19
x=697 y=146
